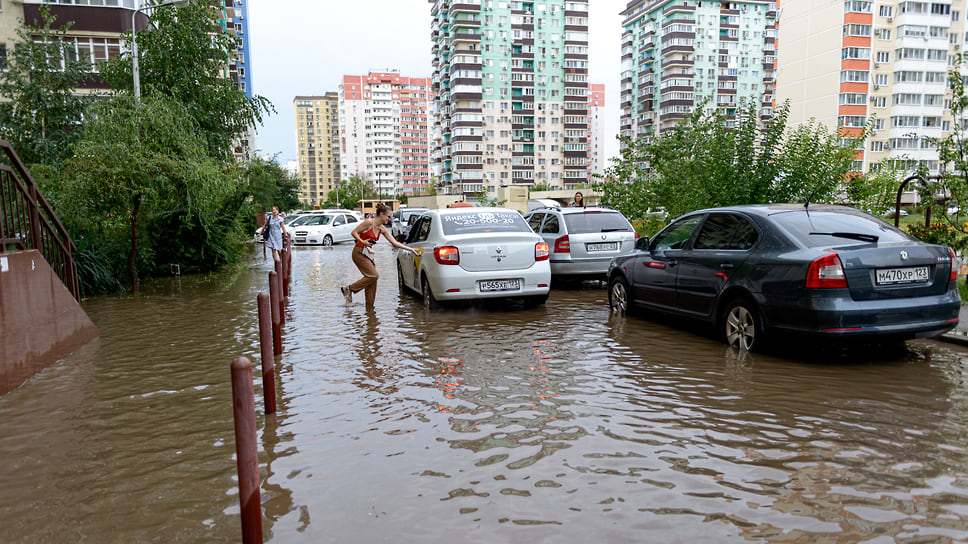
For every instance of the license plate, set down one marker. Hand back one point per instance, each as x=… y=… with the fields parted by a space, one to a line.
x=890 y=276
x=499 y=285
x=601 y=246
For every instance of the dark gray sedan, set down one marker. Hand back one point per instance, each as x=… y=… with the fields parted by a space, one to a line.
x=828 y=271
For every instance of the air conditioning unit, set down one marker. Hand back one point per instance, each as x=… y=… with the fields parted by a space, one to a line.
x=887 y=147
x=873 y=98
x=876 y=86
x=890 y=19
x=877 y=65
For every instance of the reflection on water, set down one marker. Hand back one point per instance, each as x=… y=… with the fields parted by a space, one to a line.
x=559 y=423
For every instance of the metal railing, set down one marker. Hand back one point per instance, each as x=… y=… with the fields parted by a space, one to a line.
x=28 y=222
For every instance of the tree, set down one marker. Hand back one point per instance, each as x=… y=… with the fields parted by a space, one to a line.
x=144 y=164
x=185 y=57
x=705 y=162
x=349 y=194
x=42 y=113
x=270 y=184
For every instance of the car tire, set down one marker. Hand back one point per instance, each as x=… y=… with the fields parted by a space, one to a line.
x=740 y=325
x=429 y=301
x=618 y=295
x=327 y=240
x=535 y=301
x=400 y=284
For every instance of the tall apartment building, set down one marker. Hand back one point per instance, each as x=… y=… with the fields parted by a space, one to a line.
x=383 y=131
x=317 y=141
x=243 y=57
x=847 y=63
x=596 y=129
x=676 y=53
x=511 y=83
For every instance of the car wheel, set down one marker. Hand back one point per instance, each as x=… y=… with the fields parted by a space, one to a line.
x=536 y=300
x=618 y=295
x=400 y=284
x=429 y=302
x=328 y=240
x=740 y=326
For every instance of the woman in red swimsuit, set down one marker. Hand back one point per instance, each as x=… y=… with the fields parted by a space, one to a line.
x=366 y=234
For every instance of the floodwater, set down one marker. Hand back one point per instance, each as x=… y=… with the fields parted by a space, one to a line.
x=555 y=424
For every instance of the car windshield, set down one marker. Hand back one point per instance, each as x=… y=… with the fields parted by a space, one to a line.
x=483 y=221
x=825 y=228
x=595 y=221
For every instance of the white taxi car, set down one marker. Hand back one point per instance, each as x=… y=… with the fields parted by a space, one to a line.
x=474 y=253
x=326 y=228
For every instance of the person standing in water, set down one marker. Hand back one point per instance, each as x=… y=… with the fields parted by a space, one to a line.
x=276 y=230
x=366 y=235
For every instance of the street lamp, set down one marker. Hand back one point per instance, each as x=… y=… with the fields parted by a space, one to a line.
x=134 y=41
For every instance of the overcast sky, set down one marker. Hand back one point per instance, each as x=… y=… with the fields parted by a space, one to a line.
x=304 y=47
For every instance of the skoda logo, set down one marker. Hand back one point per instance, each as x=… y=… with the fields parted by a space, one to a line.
x=904 y=255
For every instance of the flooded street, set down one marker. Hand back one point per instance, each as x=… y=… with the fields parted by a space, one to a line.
x=561 y=423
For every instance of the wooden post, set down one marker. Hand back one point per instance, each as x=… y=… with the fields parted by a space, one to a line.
x=274 y=297
x=268 y=362
x=247 y=454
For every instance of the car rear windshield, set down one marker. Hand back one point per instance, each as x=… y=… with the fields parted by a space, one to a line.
x=595 y=221
x=483 y=221
x=828 y=228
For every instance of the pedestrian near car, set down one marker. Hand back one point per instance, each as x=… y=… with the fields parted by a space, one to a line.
x=366 y=235
x=579 y=201
x=277 y=228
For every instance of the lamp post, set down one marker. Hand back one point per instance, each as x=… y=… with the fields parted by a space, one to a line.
x=136 y=74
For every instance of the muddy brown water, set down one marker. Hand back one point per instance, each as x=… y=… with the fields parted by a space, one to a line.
x=556 y=424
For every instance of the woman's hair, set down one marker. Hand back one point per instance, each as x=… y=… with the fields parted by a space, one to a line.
x=382 y=208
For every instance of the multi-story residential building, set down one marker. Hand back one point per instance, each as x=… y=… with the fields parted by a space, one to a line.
x=677 y=53
x=317 y=141
x=596 y=129
x=511 y=84
x=243 y=57
x=854 y=62
x=383 y=131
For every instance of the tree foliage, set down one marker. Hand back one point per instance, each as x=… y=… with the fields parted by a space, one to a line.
x=349 y=193
x=705 y=162
x=184 y=56
x=42 y=113
x=141 y=173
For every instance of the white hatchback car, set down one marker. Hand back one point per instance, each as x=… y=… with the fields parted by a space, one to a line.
x=474 y=254
x=326 y=228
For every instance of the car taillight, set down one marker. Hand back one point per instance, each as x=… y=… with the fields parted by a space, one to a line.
x=562 y=245
x=541 y=251
x=955 y=266
x=447 y=255
x=826 y=273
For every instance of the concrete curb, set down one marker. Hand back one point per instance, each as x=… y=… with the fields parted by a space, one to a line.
x=954 y=338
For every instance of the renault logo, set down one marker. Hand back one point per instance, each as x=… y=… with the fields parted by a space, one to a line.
x=499 y=250
x=904 y=255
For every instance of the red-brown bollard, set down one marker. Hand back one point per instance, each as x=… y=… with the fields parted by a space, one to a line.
x=276 y=311
x=265 y=342
x=285 y=273
x=282 y=295
x=246 y=451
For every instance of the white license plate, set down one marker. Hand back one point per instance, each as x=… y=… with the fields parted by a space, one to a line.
x=499 y=285
x=601 y=246
x=915 y=274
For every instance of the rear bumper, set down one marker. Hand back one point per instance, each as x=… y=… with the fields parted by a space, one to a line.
x=454 y=283
x=589 y=268
x=832 y=316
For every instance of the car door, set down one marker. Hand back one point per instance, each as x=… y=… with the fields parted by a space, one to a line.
x=344 y=232
x=419 y=240
x=654 y=276
x=720 y=247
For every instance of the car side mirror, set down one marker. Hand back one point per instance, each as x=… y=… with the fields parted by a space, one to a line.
x=642 y=243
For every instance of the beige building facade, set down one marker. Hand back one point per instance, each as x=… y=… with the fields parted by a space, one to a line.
x=316 y=125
